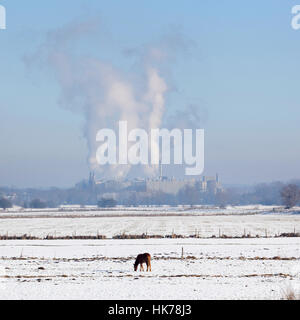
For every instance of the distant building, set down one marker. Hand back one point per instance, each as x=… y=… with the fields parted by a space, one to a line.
x=169 y=186
x=211 y=184
x=122 y=190
x=173 y=186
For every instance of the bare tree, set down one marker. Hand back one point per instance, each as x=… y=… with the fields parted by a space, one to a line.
x=222 y=199
x=290 y=195
x=5 y=204
x=37 y=204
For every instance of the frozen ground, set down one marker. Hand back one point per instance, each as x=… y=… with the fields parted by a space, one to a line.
x=259 y=268
x=211 y=269
x=93 y=211
x=203 y=226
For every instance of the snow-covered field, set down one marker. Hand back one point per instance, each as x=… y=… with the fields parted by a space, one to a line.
x=211 y=269
x=256 y=268
x=93 y=211
x=203 y=226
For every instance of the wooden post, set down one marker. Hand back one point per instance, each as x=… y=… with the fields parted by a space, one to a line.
x=182 y=254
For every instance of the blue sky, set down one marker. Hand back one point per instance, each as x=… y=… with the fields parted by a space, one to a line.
x=243 y=71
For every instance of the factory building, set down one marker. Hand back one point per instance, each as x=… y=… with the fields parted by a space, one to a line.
x=173 y=186
x=169 y=186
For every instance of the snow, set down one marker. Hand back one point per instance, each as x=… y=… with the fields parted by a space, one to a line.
x=256 y=268
x=92 y=211
x=216 y=269
x=204 y=226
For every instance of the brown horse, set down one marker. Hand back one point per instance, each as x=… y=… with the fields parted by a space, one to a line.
x=141 y=259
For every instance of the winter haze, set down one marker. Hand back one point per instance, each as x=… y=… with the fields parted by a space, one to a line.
x=70 y=72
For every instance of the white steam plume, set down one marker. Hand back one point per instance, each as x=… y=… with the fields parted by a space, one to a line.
x=103 y=93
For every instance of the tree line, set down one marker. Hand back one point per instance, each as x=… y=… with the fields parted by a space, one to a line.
x=34 y=204
x=276 y=193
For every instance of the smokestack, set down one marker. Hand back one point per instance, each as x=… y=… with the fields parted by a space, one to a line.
x=92 y=180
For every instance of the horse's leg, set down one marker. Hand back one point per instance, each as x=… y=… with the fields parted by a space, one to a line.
x=142 y=267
